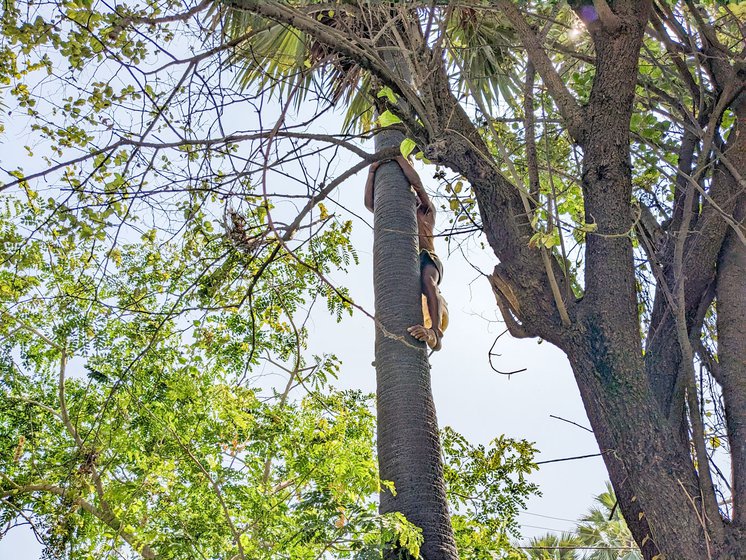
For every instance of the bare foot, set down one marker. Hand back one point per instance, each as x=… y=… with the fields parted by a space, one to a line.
x=428 y=336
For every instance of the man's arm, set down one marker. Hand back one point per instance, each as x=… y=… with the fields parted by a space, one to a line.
x=369 y=184
x=414 y=180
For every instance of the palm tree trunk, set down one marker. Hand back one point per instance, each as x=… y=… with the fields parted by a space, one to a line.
x=408 y=440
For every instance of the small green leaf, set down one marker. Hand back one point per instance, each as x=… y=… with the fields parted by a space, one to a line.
x=387 y=118
x=407 y=146
x=421 y=156
x=388 y=93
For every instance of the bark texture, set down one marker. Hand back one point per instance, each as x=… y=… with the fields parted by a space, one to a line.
x=731 y=294
x=731 y=297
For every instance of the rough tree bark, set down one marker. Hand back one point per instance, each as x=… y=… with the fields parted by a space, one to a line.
x=731 y=297
x=731 y=307
x=408 y=441
x=605 y=350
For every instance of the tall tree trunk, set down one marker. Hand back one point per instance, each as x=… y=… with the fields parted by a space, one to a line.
x=731 y=310
x=607 y=357
x=408 y=440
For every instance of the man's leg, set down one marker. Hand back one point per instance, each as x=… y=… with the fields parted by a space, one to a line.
x=429 y=285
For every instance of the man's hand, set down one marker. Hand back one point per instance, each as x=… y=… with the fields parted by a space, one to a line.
x=369 y=185
x=423 y=201
x=376 y=164
x=429 y=336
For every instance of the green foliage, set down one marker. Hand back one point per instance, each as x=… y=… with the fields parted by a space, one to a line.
x=128 y=419
x=479 y=53
x=126 y=415
x=553 y=547
x=387 y=118
x=604 y=526
x=287 y=61
x=407 y=146
x=162 y=433
x=487 y=487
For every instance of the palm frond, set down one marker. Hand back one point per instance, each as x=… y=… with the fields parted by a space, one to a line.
x=604 y=526
x=280 y=58
x=478 y=44
x=553 y=547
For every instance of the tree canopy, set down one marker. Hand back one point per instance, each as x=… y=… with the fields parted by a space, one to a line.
x=151 y=265
x=153 y=281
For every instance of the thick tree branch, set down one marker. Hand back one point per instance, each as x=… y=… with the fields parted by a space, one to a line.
x=525 y=193
x=609 y=19
x=508 y=305
x=731 y=346
x=530 y=124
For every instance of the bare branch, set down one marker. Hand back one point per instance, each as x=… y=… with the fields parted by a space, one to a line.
x=183 y=16
x=687 y=365
x=343 y=141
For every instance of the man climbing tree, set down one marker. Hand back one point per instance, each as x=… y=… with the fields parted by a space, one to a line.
x=431 y=267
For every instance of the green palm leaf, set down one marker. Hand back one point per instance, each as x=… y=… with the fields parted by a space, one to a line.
x=283 y=59
x=553 y=547
x=478 y=50
x=604 y=526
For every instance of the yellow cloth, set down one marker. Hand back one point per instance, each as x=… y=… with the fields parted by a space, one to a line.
x=427 y=321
